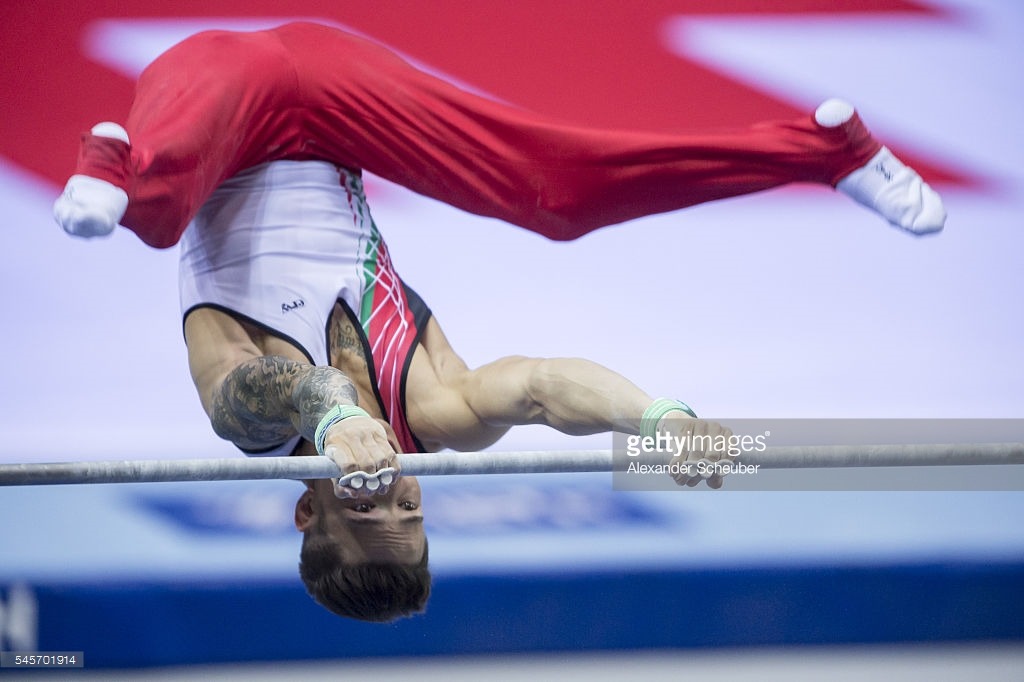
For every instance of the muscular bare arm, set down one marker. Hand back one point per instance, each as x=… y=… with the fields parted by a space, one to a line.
x=453 y=406
x=450 y=405
x=572 y=395
x=579 y=397
x=259 y=391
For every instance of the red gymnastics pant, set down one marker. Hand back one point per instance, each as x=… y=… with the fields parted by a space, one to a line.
x=220 y=102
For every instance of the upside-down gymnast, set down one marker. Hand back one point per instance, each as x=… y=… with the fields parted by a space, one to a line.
x=261 y=282
x=220 y=102
x=261 y=363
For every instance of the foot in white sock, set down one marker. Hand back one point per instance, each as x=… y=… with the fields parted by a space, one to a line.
x=885 y=184
x=90 y=207
x=897 y=192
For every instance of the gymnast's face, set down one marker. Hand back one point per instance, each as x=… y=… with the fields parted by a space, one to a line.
x=384 y=528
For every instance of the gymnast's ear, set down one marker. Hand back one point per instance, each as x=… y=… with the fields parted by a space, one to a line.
x=305 y=516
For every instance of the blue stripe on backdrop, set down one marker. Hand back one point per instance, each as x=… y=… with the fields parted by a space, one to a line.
x=178 y=622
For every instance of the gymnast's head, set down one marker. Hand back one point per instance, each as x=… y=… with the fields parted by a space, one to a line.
x=364 y=558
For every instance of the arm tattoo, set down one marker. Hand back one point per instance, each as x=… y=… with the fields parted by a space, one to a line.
x=265 y=401
x=316 y=393
x=346 y=344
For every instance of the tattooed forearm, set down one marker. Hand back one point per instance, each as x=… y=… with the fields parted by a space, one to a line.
x=316 y=393
x=251 y=407
x=266 y=400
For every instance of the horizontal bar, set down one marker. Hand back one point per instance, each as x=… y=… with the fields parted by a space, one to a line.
x=931 y=454
x=457 y=463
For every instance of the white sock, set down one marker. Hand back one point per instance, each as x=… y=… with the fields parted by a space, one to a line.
x=90 y=207
x=894 y=190
x=885 y=184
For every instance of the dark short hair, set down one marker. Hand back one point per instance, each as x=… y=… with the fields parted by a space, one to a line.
x=375 y=592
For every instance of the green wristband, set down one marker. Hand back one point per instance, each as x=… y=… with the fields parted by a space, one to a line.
x=335 y=415
x=658 y=409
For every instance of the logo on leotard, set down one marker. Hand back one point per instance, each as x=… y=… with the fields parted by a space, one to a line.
x=294 y=305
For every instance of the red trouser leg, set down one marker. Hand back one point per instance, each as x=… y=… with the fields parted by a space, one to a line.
x=207 y=108
x=371 y=110
x=221 y=102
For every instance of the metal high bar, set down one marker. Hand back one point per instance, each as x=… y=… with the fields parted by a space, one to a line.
x=527 y=462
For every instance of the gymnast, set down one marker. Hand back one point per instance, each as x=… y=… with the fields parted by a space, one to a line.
x=302 y=338
x=286 y=250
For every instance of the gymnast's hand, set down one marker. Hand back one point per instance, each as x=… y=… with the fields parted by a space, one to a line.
x=704 y=449
x=361 y=444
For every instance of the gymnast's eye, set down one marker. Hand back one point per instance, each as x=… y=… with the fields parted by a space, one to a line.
x=409 y=505
x=362 y=508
